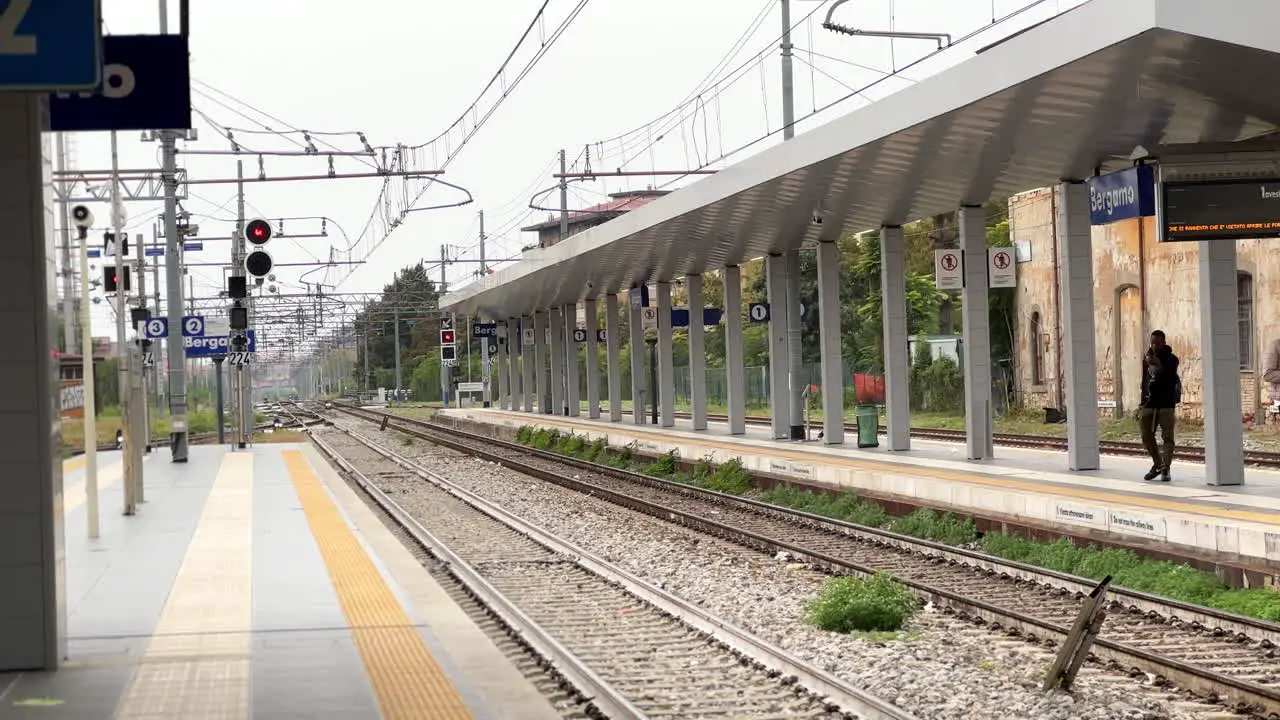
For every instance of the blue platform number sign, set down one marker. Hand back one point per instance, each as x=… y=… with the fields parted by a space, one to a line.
x=602 y=335
x=193 y=326
x=758 y=312
x=146 y=83
x=157 y=327
x=579 y=335
x=50 y=46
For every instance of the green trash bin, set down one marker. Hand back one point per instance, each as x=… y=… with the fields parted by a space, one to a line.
x=867 y=418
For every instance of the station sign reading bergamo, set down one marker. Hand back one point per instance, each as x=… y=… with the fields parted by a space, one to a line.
x=1122 y=195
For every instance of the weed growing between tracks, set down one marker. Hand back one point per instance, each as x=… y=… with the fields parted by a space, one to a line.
x=1129 y=570
x=875 y=604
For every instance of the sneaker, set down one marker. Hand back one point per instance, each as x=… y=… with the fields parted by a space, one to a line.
x=1164 y=475
x=1152 y=473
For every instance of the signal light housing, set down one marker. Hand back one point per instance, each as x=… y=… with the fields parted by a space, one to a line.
x=257 y=231
x=258 y=263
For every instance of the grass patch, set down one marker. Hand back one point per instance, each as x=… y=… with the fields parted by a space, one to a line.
x=929 y=525
x=1129 y=570
x=876 y=604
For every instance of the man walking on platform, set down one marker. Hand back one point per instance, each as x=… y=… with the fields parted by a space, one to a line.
x=1161 y=393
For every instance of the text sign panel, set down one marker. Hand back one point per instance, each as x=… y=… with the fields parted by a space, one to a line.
x=146 y=84
x=1220 y=210
x=213 y=345
x=1122 y=195
x=50 y=46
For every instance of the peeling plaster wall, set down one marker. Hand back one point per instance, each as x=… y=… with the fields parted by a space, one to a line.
x=1128 y=259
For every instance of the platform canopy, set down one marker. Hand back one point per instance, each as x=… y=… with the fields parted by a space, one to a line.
x=1057 y=101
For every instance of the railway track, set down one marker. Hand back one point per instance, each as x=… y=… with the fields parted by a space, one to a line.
x=1259 y=458
x=1216 y=655
x=634 y=650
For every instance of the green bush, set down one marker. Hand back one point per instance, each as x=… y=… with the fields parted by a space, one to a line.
x=929 y=525
x=665 y=466
x=839 y=506
x=847 y=604
x=730 y=478
x=593 y=451
x=524 y=435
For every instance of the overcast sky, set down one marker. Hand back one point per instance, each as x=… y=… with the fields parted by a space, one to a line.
x=402 y=71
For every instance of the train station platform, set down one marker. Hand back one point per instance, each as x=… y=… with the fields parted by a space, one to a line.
x=1023 y=486
x=256 y=584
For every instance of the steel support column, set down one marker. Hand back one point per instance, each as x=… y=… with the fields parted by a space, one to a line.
x=504 y=386
x=558 y=406
x=1220 y=350
x=779 y=402
x=831 y=356
x=733 y=362
x=977 y=335
x=635 y=323
x=572 y=400
x=1079 y=359
x=697 y=352
x=666 y=359
x=33 y=612
x=795 y=349
x=897 y=363
x=612 y=357
x=593 y=359
x=540 y=350
x=528 y=363
x=513 y=356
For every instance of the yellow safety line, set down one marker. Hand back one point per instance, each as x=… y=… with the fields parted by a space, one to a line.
x=71 y=465
x=1261 y=516
x=197 y=664
x=407 y=680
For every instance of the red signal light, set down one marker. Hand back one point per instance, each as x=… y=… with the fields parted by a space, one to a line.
x=257 y=231
x=446 y=337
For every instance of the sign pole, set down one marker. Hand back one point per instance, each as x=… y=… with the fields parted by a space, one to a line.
x=90 y=406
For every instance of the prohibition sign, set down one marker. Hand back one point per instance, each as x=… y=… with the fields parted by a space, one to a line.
x=1001 y=260
x=950 y=262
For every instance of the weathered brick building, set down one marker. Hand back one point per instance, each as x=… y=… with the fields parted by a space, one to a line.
x=1140 y=285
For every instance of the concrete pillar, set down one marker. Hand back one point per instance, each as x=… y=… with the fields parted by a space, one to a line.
x=1220 y=363
x=529 y=363
x=734 y=371
x=1079 y=359
x=32 y=611
x=540 y=350
x=613 y=360
x=572 y=400
x=697 y=352
x=513 y=356
x=558 y=406
x=795 y=350
x=593 y=359
x=637 y=357
x=666 y=359
x=780 y=406
x=977 y=335
x=504 y=387
x=831 y=355
x=897 y=363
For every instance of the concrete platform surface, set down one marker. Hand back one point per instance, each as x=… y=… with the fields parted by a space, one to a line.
x=256 y=584
x=1028 y=485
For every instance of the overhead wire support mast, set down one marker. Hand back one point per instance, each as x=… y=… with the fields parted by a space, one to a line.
x=943 y=39
x=173 y=270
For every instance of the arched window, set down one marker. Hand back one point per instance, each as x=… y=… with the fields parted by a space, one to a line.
x=1244 y=315
x=1037 y=349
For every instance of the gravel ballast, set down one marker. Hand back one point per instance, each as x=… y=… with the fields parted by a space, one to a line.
x=940 y=667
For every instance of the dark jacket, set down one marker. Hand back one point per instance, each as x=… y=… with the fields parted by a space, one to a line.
x=1161 y=386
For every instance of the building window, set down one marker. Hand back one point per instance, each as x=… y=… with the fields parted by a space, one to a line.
x=1244 y=315
x=1037 y=350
